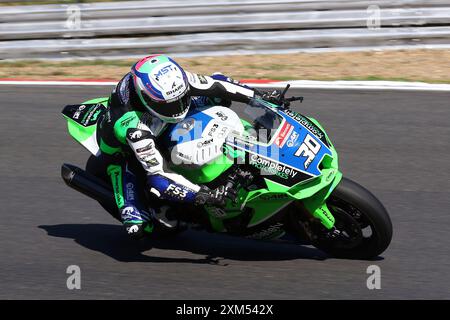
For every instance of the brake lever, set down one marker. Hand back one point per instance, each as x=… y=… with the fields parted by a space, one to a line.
x=291 y=99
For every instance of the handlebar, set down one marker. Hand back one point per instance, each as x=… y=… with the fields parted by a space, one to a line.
x=286 y=102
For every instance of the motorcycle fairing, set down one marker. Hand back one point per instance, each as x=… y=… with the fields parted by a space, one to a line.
x=289 y=157
x=82 y=122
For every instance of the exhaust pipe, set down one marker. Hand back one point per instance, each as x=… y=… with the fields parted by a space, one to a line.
x=87 y=184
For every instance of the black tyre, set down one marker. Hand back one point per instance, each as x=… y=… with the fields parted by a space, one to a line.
x=364 y=229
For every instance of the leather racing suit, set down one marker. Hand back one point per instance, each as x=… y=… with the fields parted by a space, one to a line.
x=128 y=130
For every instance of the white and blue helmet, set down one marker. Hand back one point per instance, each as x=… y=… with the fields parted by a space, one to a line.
x=162 y=87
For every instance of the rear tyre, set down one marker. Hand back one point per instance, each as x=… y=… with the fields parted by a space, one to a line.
x=364 y=229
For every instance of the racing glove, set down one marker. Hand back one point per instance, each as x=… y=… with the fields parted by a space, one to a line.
x=272 y=96
x=216 y=197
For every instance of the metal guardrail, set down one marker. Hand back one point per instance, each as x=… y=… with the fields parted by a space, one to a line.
x=201 y=43
x=130 y=9
x=177 y=26
x=214 y=23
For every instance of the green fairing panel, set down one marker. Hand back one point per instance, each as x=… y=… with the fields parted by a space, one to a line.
x=103 y=100
x=80 y=132
x=266 y=207
x=313 y=194
x=105 y=148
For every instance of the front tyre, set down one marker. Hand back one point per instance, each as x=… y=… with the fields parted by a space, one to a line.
x=363 y=229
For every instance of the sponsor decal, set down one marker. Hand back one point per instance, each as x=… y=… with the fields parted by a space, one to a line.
x=164 y=70
x=285 y=131
x=330 y=175
x=127 y=212
x=305 y=122
x=213 y=129
x=184 y=156
x=176 y=192
x=127 y=121
x=130 y=191
x=266 y=233
x=202 y=79
x=272 y=167
x=136 y=134
x=96 y=114
x=91 y=115
x=77 y=114
x=326 y=214
x=132 y=229
x=116 y=177
x=222 y=132
x=205 y=143
x=151 y=162
x=222 y=116
x=292 y=139
x=147 y=150
x=175 y=90
x=276 y=196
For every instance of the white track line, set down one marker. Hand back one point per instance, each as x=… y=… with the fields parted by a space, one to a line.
x=297 y=84
x=360 y=85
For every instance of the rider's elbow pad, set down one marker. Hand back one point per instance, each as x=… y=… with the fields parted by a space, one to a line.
x=143 y=144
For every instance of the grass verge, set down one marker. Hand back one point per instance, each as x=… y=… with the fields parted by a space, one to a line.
x=431 y=66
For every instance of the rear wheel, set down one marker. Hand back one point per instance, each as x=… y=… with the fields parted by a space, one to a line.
x=363 y=229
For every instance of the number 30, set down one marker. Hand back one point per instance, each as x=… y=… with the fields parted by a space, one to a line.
x=308 y=149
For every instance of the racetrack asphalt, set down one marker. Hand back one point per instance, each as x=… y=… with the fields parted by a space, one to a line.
x=396 y=144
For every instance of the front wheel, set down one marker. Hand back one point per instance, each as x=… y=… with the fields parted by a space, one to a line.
x=363 y=229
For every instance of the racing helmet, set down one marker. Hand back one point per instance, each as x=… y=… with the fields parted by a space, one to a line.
x=162 y=87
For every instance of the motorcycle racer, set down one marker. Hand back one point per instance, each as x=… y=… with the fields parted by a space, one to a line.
x=155 y=93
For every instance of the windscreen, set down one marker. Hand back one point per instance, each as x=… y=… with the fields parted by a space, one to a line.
x=263 y=120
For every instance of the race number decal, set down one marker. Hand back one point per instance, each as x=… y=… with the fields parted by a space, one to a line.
x=309 y=149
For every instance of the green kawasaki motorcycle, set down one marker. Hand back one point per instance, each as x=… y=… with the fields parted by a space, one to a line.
x=282 y=164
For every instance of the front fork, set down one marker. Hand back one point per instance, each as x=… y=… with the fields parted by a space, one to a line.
x=317 y=204
x=323 y=214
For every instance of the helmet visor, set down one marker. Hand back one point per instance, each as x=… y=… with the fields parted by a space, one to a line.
x=171 y=109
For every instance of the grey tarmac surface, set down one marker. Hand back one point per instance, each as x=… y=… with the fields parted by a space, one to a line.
x=397 y=144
